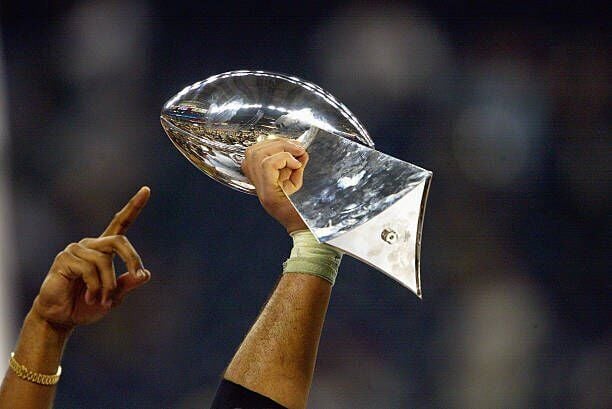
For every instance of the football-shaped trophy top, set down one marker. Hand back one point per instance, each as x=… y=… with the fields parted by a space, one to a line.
x=213 y=121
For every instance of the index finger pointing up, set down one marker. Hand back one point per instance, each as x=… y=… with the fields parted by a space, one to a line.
x=124 y=217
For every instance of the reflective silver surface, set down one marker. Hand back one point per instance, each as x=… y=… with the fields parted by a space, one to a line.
x=212 y=122
x=368 y=204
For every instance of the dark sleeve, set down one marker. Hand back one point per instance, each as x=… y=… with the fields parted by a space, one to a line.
x=233 y=396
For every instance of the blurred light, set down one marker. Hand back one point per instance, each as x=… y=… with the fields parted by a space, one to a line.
x=494 y=336
x=104 y=36
x=492 y=145
x=355 y=376
x=102 y=129
x=392 y=51
x=497 y=136
x=7 y=291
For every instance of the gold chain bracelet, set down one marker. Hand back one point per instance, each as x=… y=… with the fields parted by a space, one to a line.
x=31 y=376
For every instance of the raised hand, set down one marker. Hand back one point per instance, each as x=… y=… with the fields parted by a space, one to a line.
x=274 y=166
x=81 y=286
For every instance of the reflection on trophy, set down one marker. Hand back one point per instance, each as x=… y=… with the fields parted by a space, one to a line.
x=364 y=202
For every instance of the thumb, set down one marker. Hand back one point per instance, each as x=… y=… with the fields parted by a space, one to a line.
x=128 y=282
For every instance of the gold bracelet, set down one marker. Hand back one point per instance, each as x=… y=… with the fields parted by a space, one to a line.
x=39 y=378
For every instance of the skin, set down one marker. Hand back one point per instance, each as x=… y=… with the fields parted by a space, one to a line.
x=80 y=288
x=277 y=357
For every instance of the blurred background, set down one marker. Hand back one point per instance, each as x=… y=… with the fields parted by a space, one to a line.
x=507 y=104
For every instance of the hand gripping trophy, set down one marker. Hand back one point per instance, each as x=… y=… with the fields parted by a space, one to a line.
x=366 y=203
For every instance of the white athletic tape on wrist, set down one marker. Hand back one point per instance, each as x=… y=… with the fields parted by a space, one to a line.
x=308 y=256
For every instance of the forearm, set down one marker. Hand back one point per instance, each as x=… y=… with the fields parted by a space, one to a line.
x=278 y=355
x=39 y=348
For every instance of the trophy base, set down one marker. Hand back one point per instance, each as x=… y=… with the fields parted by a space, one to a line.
x=391 y=241
x=366 y=203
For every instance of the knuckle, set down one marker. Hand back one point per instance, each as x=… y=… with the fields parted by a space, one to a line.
x=121 y=239
x=268 y=161
x=72 y=247
x=60 y=256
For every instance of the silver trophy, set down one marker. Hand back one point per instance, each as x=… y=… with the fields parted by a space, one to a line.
x=364 y=202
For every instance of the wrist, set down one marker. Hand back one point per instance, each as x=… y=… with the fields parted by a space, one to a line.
x=41 y=344
x=309 y=256
x=294 y=224
x=293 y=227
x=52 y=332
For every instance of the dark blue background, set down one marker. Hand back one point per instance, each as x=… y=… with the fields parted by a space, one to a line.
x=510 y=111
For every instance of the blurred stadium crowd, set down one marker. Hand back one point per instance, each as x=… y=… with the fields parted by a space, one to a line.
x=508 y=105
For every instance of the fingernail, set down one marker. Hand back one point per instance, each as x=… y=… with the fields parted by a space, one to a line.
x=107 y=303
x=141 y=273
